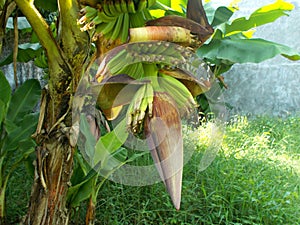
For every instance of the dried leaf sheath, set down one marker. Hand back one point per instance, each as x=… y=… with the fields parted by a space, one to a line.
x=163 y=132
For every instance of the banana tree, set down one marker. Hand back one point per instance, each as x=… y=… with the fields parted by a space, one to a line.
x=159 y=79
x=155 y=76
x=68 y=52
x=144 y=57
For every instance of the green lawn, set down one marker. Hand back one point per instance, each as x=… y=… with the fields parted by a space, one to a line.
x=254 y=179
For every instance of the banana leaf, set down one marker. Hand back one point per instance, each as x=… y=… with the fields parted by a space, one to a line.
x=26 y=52
x=24 y=100
x=261 y=16
x=26 y=127
x=2 y=112
x=109 y=143
x=5 y=90
x=245 y=50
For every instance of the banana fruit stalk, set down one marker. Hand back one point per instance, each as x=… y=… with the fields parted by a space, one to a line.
x=161 y=33
x=164 y=137
x=198 y=33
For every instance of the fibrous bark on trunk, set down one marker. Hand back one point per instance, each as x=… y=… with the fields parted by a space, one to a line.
x=67 y=56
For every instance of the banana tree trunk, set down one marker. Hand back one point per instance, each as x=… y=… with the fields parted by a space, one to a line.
x=53 y=172
x=67 y=60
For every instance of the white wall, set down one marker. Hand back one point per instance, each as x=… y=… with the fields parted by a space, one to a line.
x=271 y=87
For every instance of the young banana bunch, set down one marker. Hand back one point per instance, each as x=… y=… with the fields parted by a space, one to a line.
x=112 y=19
x=166 y=77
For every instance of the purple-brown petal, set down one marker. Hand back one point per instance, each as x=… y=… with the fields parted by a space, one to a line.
x=164 y=137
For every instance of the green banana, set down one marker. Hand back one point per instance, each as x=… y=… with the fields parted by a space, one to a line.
x=90 y=12
x=138 y=99
x=117 y=5
x=133 y=70
x=148 y=99
x=141 y=115
x=105 y=28
x=124 y=6
x=182 y=96
x=147 y=15
x=117 y=27
x=169 y=49
x=142 y=48
x=129 y=69
x=141 y=5
x=105 y=6
x=156 y=46
x=104 y=17
x=130 y=6
x=112 y=9
x=97 y=20
x=129 y=114
x=150 y=3
x=137 y=19
x=139 y=73
x=125 y=28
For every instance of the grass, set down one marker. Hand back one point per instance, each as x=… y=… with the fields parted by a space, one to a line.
x=254 y=179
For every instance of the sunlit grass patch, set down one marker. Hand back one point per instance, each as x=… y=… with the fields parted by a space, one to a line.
x=253 y=179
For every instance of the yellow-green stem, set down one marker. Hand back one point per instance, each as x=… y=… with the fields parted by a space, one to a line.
x=151 y=73
x=41 y=28
x=160 y=33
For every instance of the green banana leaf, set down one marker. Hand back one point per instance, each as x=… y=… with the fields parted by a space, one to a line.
x=109 y=143
x=25 y=148
x=2 y=112
x=5 y=95
x=221 y=15
x=244 y=50
x=50 y=5
x=25 y=129
x=87 y=185
x=5 y=90
x=83 y=189
x=217 y=15
x=107 y=151
x=168 y=7
x=261 y=16
x=165 y=2
x=26 y=52
x=24 y=100
x=90 y=141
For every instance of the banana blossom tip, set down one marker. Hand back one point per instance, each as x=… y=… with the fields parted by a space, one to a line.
x=164 y=137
